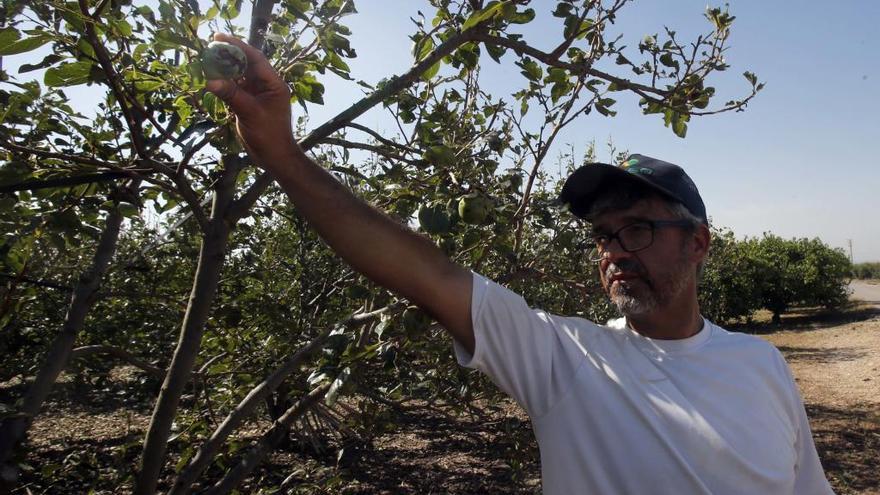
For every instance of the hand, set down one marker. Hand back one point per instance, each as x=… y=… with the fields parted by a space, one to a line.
x=261 y=104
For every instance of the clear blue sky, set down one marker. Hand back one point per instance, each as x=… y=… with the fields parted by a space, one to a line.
x=801 y=161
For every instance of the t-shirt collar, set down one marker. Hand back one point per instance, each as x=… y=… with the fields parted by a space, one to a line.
x=666 y=346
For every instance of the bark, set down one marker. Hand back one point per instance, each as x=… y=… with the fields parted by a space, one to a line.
x=212 y=254
x=13 y=430
x=268 y=441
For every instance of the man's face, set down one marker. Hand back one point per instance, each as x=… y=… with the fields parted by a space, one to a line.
x=642 y=282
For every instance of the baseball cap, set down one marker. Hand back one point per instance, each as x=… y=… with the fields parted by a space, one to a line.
x=588 y=182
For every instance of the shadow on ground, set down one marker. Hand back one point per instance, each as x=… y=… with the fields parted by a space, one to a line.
x=809 y=319
x=848 y=442
x=821 y=355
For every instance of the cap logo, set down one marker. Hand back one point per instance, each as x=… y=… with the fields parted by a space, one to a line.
x=630 y=167
x=629 y=163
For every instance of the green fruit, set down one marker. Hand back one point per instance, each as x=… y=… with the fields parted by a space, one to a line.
x=433 y=219
x=222 y=60
x=474 y=209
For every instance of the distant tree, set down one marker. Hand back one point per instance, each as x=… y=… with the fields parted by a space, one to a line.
x=866 y=270
x=728 y=288
x=798 y=272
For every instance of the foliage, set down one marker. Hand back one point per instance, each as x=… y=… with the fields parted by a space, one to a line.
x=773 y=273
x=866 y=270
x=728 y=291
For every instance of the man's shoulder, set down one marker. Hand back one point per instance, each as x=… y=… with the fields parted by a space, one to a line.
x=742 y=342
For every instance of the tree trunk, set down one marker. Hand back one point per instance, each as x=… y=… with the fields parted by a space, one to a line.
x=13 y=430
x=212 y=254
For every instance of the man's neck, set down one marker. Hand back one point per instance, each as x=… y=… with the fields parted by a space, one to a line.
x=671 y=323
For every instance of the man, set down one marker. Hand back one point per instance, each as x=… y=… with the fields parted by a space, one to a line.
x=660 y=401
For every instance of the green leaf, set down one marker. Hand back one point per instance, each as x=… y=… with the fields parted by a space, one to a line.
x=128 y=210
x=493 y=9
x=667 y=60
x=148 y=85
x=523 y=17
x=559 y=90
x=184 y=110
x=496 y=52
x=69 y=74
x=11 y=42
x=440 y=156
x=531 y=70
x=430 y=72
x=8 y=36
x=679 y=126
x=121 y=26
x=422 y=48
x=48 y=60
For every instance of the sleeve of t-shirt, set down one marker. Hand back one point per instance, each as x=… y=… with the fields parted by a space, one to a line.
x=809 y=476
x=523 y=350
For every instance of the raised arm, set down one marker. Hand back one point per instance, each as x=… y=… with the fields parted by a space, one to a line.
x=370 y=241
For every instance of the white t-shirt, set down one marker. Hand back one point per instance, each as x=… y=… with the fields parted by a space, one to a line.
x=615 y=412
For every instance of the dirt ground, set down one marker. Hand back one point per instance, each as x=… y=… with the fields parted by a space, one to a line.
x=835 y=359
x=90 y=439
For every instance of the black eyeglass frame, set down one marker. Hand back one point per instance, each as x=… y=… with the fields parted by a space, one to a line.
x=654 y=224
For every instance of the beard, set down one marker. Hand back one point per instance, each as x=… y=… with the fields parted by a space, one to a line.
x=643 y=294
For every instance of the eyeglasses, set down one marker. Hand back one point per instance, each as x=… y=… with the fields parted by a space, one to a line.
x=633 y=237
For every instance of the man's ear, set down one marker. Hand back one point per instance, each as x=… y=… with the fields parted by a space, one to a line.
x=702 y=240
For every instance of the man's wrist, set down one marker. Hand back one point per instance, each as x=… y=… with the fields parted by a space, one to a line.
x=282 y=157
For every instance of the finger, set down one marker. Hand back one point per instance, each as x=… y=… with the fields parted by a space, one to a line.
x=239 y=100
x=258 y=67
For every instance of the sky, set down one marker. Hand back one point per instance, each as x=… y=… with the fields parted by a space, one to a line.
x=801 y=161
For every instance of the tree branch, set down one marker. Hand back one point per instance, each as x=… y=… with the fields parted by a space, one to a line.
x=268 y=441
x=33 y=185
x=256 y=396
x=579 y=69
x=367 y=147
x=59 y=156
x=118 y=353
x=394 y=86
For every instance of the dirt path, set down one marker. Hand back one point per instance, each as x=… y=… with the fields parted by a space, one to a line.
x=866 y=291
x=836 y=362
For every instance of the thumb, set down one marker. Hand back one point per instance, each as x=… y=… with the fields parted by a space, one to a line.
x=236 y=98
